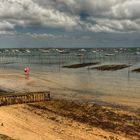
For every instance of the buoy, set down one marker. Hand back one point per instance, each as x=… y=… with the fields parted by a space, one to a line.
x=27 y=70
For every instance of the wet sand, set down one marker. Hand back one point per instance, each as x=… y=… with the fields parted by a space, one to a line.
x=66 y=86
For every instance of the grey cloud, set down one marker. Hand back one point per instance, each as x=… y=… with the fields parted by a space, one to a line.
x=26 y=12
x=7 y=33
x=104 y=16
x=32 y=35
x=44 y=36
x=6 y=25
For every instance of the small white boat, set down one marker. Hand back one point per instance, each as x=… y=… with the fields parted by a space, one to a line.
x=60 y=51
x=82 y=50
x=94 y=51
x=28 y=51
x=17 y=50
x=44 y=50
x=137 y=53
x=13 y=51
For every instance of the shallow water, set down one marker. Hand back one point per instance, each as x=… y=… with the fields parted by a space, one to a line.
x=117 y=87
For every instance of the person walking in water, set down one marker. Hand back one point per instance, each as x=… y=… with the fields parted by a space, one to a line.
x=27 y=71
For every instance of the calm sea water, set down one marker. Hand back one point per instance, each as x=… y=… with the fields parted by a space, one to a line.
x=122 y=86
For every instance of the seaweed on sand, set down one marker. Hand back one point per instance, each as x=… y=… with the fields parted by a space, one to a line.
x=136 y=70
x=81 y=65
x=4 y=137
x=110 y=67
x=108 y=118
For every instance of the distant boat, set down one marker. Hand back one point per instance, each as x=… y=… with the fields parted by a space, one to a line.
x=13 y=51
x=28 y=51
x=116 y=51
x=94 y=51
x=17 y=51
x=137 y=53
x=79 y=54
x=82 y=50
x=65 y=52
x=60 y=51
x=44 y=50
x=109 y=54
x=6 y=50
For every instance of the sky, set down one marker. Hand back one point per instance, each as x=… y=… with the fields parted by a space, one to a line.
x=69 y=23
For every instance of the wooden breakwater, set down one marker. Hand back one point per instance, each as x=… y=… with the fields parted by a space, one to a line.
x=24 y=98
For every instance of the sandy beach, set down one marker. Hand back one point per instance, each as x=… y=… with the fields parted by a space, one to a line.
x=70 y=114
x=61 y=120
x=69 y=70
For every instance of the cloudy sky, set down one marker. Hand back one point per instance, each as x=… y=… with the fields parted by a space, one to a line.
x=69 y=23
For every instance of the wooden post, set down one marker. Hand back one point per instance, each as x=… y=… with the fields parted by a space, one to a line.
x=34 y=97
x=0 y=100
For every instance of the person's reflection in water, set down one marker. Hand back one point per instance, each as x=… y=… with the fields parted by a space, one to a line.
x=27 y=76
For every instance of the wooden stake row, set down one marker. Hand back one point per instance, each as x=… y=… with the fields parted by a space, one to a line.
x=24 y=98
